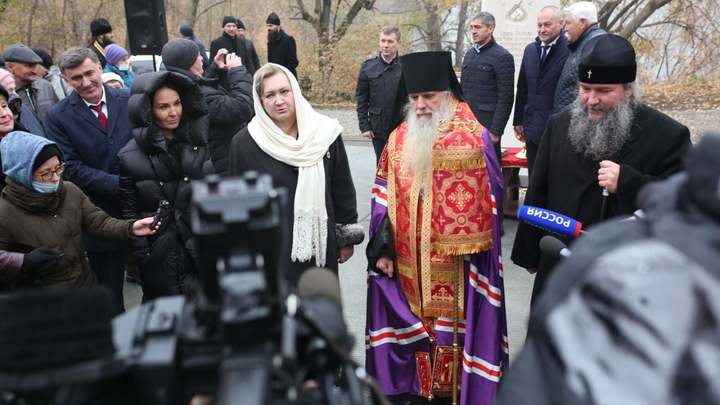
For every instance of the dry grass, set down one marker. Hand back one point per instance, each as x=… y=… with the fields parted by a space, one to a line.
x=687 y=95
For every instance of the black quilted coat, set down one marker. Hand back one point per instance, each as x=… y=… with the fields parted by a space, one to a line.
x=153 y=169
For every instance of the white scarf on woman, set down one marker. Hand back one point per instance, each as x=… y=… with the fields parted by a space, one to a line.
x=316 y=132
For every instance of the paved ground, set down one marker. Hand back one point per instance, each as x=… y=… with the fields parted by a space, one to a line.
x=518 y=284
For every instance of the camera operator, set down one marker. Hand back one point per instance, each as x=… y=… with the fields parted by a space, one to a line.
x=226 y=89
x=632 y=315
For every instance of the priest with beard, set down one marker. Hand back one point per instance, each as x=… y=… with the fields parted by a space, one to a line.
x=436 y=311
x=609 y=140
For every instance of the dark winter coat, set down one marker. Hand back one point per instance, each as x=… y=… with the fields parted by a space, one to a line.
x=340 y=201
x=242 y=47
x=203 y=52
x=380 y=96
x=567 y=86
x=30 y=219
x=228 y=99
x=154 y=169
x=283 y=51
x=90 y=150
x=39 y=97
x=566 y=182
x=30 y=122
x=536 y=87
x=488 y=85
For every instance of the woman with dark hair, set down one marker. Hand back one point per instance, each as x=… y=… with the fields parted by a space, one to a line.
x=167 y=152
x=303 y=151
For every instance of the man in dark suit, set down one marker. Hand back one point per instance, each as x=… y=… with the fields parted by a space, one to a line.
x=488 y=75
x=90 y=126
x=542 y=64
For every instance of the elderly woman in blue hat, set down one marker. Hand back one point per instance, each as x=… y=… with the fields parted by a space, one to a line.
x=39 y=209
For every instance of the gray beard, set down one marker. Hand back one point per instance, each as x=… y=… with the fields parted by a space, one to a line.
x=417 y=150
x=600 y=139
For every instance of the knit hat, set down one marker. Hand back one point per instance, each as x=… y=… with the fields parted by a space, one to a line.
x=180 y=53
x=229 y=19
x=273 y=19
x=186 y=31
x=46 y=153
x=47 y=61
x=607 y=59
x=113 y=53
x=240 y=24
x=20 y=53
x=100 y=26
x=110 y=76
x=5 y=78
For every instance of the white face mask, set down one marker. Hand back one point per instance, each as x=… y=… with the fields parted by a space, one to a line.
x=123 y=66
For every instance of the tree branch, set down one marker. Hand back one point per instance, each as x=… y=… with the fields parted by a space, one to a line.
x=307 y=16
x=208 y=8
x=643 y=15
x=350 y=16
x=612 y=25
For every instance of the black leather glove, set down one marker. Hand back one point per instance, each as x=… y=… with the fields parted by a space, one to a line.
x=39 y=258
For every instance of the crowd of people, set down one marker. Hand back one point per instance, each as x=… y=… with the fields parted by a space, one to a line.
x=89 y=151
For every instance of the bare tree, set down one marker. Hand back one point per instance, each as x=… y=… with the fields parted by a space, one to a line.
x=460 y=34
x=624 y=17
x=195 y=14
x=323 y=19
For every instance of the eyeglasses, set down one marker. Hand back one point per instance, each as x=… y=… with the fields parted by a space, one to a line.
x=48 y=175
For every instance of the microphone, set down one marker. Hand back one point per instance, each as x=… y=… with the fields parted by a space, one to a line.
x=550 y=221
x=319 y=292
x=316 y=305
x=318 y=282
x=553 y=247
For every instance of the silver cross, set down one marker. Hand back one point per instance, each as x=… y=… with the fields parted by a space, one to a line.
x=589 y=73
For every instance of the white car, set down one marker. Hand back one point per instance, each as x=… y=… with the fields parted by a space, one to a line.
x=144 y=63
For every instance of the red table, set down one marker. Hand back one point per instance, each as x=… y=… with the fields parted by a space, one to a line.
x=510 y=160
x=511 y=165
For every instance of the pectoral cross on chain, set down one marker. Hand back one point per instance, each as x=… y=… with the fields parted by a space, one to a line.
x=589 y=73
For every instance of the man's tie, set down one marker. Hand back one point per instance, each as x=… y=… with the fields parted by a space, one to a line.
x=101 y=116
x=544 y=52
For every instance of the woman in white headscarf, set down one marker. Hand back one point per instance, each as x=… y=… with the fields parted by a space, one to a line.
x=303 y=151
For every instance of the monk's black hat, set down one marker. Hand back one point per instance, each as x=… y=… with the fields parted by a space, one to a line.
x=429 y=71
x=607 y=59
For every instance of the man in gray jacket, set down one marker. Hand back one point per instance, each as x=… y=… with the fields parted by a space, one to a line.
x=581 y=24
x=35 y=92
x=488 y=75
